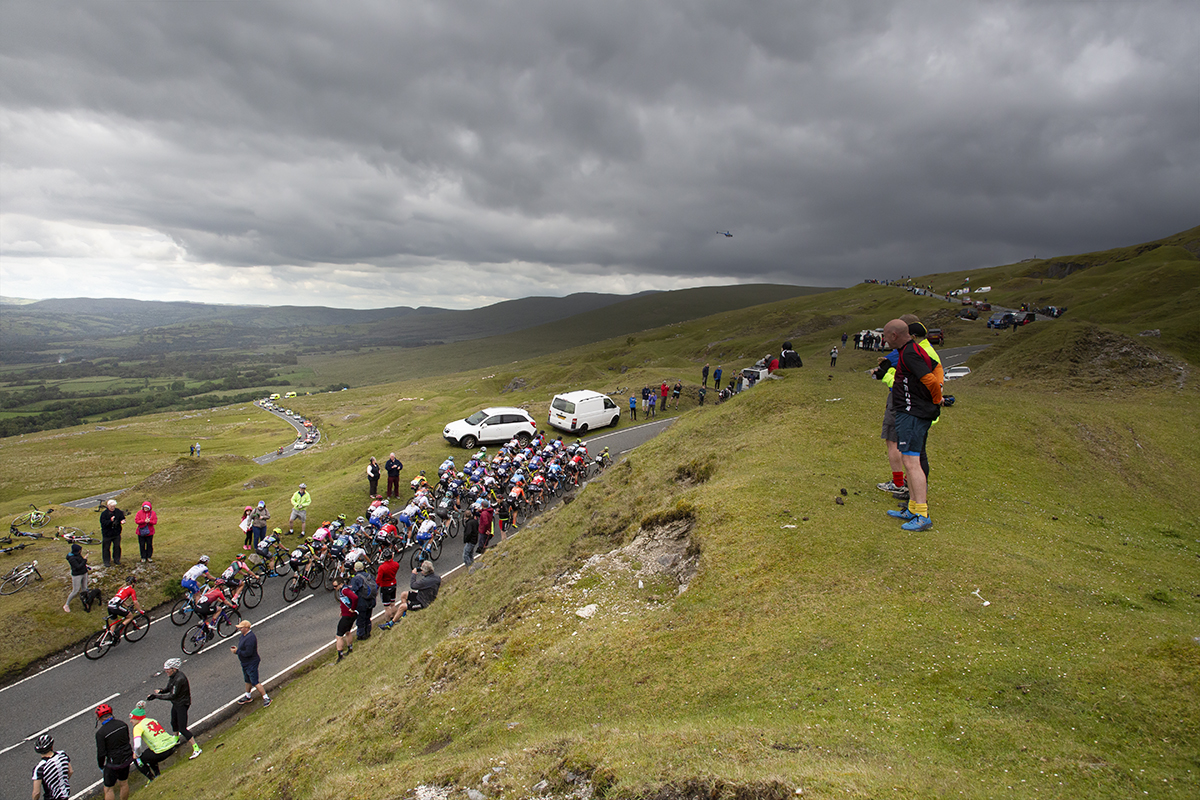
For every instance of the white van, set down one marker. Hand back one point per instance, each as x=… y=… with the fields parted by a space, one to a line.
x=576 y=412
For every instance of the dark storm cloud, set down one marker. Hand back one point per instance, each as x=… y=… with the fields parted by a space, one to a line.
x=310 y=146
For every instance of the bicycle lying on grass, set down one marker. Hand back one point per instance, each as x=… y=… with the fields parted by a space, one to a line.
x=73 y=535
x=110 y=635
x=34 y=519
x=16 y=579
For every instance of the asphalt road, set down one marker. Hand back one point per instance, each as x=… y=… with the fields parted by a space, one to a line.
x=287 y=448
x=60 y=697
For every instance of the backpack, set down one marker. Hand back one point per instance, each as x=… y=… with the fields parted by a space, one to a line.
x=367 y=590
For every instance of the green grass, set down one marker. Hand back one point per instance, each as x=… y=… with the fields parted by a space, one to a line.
x=840 y=656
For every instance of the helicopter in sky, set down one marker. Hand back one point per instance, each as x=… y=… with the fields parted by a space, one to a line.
x=726 y=233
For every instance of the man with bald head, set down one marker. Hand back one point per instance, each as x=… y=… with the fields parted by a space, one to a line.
x=916 y=402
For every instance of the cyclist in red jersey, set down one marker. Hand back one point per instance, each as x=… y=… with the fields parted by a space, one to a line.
x=119 y=606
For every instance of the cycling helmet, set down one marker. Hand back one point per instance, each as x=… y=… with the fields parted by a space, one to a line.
x=361 y=520
x=203 y=559
x=277 y=531
x=422 y=472
x=341 y=518
x=43 y=744
x=130 y=580
x=103 y=710
x=172 y=663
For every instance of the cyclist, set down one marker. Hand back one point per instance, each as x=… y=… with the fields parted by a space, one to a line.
x=264 y=550
x=231 y=573
x=418 y=482
x=209 y=604
x=52 y=775
x=191 y=578
x=118 y=610
x=114 y=753
x=179 y=692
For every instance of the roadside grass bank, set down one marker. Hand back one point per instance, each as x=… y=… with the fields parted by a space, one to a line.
x=841 y=656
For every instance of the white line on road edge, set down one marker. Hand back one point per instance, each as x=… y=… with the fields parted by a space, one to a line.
x=33 y=736
x=264 y=619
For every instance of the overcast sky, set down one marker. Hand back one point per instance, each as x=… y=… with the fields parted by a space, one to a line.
x=368 y=154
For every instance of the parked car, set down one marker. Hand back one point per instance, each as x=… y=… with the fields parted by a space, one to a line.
x=576 y=412
x=1001 y=319
x=498 y=424
x=968 y=313
x=1026 y=317
x=957 y=372
x=936 y=336
x=983 y=305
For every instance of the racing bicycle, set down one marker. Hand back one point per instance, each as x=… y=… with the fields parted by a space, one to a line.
x=17 y=577
x=34 y=519
x=203 y=632
x=110 y=635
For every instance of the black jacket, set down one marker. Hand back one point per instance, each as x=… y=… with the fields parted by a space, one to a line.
x=110 y=522
x=177 y=690
x=78 y=563
x=113 y=747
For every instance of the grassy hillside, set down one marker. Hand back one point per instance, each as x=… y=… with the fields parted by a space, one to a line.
x=732 y=654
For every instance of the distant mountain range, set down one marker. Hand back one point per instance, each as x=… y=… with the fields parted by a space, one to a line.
x=75 y=328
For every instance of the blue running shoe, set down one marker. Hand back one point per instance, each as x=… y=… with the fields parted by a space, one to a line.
x=918 y=523
x=901 y=513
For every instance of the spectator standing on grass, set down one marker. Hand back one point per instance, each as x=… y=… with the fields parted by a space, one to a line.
x=843 y=340
x=373 y=473
x=114 y=753
x=179 y=692
x=833 y=354
x=247 y=652
x=258 y=523
x=111 y=520
x=470 y=538
x=704 y=376
x=301 y=500
x=703 y=391
x=916 y=401
x=717 y=378
x=632 y=408
x=192 y=449
x=367 y=590
x=52 y=775
x=348 y=606
x=646 y=401
x=485 y=528
x=385 y=578
x=197 y=449
x=146 y=519
x=79 y=574
x=653 y=400
x=663 y=391
x=245 y=525
x=393 y=466
x=676 y=390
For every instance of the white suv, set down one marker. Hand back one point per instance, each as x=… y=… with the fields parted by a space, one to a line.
x=491 y=425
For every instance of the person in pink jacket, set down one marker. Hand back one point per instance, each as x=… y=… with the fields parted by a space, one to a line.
x=145 y=521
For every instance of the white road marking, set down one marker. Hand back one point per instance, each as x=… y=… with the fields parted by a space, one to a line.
x=53 y=725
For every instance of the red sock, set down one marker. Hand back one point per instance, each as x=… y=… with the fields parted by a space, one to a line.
x=898 y=479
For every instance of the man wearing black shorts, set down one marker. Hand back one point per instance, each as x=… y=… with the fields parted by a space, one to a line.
x=385 y=577
x=179 y=692
x=916 y=403
x=114 y=752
